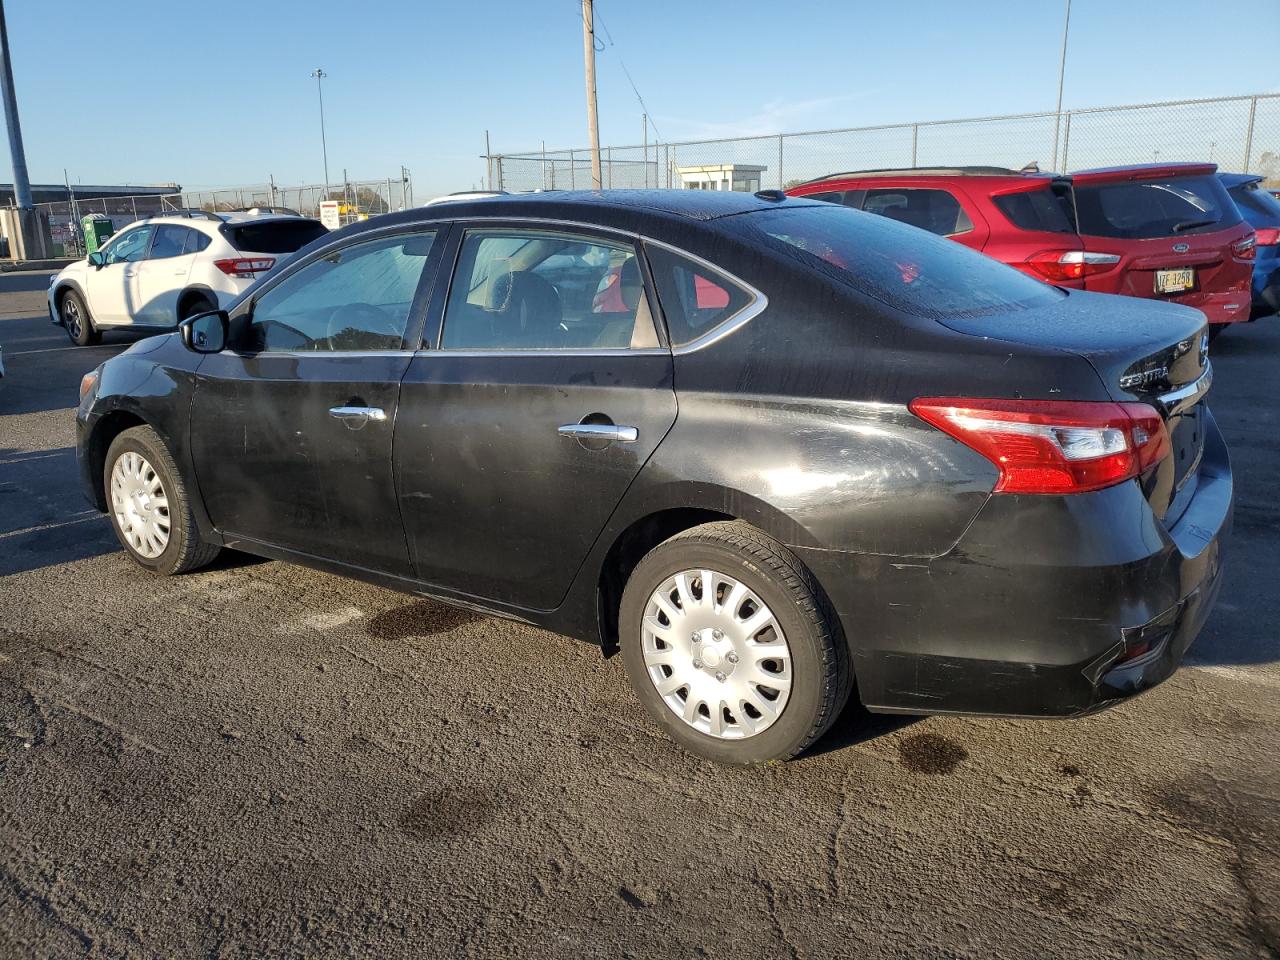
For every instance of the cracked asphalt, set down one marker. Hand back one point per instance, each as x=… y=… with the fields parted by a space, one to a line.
x=258 y=760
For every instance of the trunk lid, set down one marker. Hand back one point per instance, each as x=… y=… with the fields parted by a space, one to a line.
x=1143 y=351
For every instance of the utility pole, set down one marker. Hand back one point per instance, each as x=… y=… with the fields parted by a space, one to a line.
x=644 y=118
x=324 y=149
x=488 y=165
x=1062 y=73
x=589 y=56
x=21 y=183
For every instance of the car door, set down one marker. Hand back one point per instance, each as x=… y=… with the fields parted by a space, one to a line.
x=529 y=411
x=291 y=427
x=160 y=279
x=111 y=288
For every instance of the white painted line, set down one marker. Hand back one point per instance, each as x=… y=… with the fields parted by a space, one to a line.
x=100 y=346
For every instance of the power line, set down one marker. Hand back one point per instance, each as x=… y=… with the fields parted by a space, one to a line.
x=622 y=63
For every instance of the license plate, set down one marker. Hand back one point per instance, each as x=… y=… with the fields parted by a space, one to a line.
x=1175 y=281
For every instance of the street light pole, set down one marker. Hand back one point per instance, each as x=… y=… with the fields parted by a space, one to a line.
x=1062 y=73
x=324 y=149
x=21 y=184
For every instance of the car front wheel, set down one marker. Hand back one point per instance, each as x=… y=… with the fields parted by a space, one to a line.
x=149 y=505
x=731 y=647
x=76 y=321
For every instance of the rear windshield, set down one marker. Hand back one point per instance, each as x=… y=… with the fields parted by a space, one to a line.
x=1042 y=210
x=1143 y=209
x=909 y=269
x=275 y=236
x=1259 y=207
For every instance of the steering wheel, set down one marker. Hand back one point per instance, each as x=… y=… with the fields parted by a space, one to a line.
x=366 y=319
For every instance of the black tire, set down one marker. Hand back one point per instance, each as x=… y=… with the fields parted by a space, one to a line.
x=821 y=674
x=197 y=304
x=185 y=551
x=75 y=319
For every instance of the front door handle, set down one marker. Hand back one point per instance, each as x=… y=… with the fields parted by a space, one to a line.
x=377 y=414
x=600 y=431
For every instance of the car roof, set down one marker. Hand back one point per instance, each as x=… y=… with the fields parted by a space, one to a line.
x=1239 y=179
x=966 y=171
x=629 y=210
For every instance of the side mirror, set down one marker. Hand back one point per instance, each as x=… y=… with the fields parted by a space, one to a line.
x=205 y=332
x=97 y=259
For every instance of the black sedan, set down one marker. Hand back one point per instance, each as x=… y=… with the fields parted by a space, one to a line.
x=769 y=449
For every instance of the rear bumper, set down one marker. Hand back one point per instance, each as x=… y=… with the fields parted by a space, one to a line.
x=1035 y=610
x=1231 y=307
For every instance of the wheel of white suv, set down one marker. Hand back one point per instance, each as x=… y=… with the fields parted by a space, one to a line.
x=76 y=320
x=730 y=646
x=149 y=507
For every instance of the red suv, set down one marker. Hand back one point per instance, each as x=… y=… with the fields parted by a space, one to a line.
x=1166 y=231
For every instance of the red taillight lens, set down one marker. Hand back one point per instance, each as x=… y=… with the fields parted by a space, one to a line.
x=1058 y=265
x=1267 y=237
x=1053 y=446
x=245 y=267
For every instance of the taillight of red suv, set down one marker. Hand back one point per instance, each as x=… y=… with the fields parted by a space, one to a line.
x=1057 y=266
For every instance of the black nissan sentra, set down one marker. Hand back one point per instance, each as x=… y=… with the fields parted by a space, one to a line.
x=771 y=450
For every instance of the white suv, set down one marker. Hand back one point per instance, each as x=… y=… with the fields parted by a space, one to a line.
x=158 y=271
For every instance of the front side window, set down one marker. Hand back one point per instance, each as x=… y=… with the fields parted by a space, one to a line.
x=937 y=211
x=131 y=246
x=534 y=290
x=695 y=299
x=356 y=298
x=908 y=270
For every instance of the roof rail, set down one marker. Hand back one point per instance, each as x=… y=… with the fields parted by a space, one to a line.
x=265 y=210
x=969 y=171
x=190 y=213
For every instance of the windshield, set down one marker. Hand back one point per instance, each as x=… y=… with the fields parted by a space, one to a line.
x=908 y=268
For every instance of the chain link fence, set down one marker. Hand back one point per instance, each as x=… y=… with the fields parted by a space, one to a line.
x=356 y=199
x=1240 y=134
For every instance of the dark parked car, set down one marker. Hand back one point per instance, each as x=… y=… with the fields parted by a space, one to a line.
x=1261 y=210
x=872 y=455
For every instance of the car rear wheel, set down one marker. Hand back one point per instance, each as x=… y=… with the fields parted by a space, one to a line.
x=76 y=320
x=149 y=505
x=731 y=647
x=194 y=306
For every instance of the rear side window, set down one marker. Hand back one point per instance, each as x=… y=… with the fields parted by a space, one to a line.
x=904 y=268
x=1259 y=207
x=695 y=299
x=1144 y=209
x=1041 y=210
x=275 y=236
x=937 y=211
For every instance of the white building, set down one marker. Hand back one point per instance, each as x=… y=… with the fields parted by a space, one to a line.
x=743 y=177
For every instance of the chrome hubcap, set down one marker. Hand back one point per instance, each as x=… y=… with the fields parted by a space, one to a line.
x=716 y=654
x=140 y=505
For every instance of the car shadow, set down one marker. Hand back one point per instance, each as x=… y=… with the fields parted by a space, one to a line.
x=856 y=724
x=44 y=519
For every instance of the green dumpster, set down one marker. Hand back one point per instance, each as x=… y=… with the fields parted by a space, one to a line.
x=97 y=229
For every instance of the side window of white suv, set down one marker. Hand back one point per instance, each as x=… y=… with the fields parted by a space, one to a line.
x=131 y=246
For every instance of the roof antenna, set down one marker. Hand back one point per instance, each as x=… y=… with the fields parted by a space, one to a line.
x=1032 y=167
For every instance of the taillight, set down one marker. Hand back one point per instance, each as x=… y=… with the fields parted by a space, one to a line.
x=1245 y=249
x=245 y=267
x=1267 y=237
x=1058 y=265
x=1053 y=446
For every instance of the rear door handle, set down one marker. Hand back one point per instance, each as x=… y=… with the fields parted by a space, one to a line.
x=600 y=431
x=376 y=414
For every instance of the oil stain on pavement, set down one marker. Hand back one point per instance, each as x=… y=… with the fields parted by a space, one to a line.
x=930 y=753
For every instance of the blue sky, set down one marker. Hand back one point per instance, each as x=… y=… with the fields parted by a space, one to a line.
x=143 y=91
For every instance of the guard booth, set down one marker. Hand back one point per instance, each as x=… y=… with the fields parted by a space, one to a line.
x=742 y=177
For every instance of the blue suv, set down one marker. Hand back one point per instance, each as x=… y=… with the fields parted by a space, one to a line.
x=1261 y=210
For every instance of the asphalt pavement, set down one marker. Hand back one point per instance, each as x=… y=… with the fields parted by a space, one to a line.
x=258 y=760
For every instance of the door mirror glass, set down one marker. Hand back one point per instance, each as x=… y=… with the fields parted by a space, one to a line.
x=205 y=332
x=97 y=258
